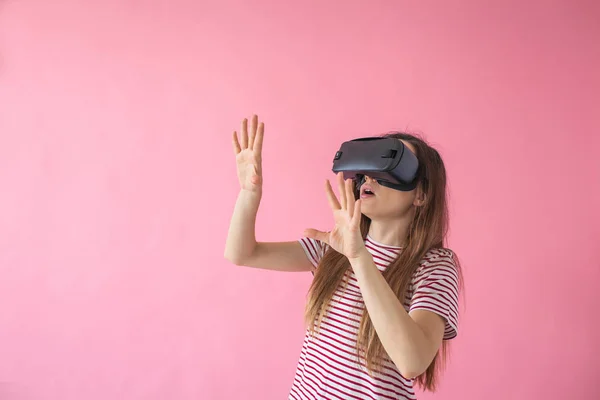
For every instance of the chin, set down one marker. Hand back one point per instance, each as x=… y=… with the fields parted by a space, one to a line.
x=380 y=215
x=368 y=215
x=367 y=211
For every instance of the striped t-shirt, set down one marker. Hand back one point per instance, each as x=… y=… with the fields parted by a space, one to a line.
x=328 y=367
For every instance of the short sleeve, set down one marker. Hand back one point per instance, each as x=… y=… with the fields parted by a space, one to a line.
x=314 y=249
x=435 y=288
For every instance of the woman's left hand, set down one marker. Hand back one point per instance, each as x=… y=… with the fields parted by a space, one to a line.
x=345 y=238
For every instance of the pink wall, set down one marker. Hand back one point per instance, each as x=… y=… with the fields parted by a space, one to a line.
x=118 y=181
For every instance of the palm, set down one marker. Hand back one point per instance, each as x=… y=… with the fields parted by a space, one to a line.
x=248 y=154
x=248 y=169
x=345 y=237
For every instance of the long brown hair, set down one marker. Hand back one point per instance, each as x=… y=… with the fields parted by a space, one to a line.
x=427 y=231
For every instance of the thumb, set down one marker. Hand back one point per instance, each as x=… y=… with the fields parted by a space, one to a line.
x=317 y=235
x=255 y=179
x=256 y=176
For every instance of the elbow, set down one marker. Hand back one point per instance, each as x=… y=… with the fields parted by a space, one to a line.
x=411 y=370
x=235 y=261
x=240 y=256
x=233 y=258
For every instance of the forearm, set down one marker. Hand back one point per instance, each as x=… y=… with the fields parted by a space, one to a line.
x=241 y=237
x=405 y=342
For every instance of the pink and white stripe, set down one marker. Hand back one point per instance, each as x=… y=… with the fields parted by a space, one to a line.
x=328 y=367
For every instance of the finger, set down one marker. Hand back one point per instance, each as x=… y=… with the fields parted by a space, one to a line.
x=317 y=235
x=333 y=201
x=349 y=197
x=355 y=222
x=244 y=133
x=258 y=140
x=252 y=133
x=236 y=143
x=340 y=179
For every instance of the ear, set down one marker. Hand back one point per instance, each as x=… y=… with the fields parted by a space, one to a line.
x=420 y=197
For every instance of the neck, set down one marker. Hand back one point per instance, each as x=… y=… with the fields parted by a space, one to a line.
x=390 y=232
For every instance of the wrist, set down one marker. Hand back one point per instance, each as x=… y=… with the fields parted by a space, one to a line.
x=251 y=194
x=363 y=257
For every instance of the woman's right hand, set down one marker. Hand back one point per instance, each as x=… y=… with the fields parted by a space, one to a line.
x=248 y=149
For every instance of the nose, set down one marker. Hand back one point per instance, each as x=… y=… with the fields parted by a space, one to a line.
x=362 y=179
x=374 y=182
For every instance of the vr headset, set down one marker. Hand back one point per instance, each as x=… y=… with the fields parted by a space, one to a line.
x=387 y=160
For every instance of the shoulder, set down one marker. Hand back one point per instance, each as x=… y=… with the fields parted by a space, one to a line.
x=439 y=254
x=314 y=249
x=436 y=286
x=439 y=257
x=438 y=263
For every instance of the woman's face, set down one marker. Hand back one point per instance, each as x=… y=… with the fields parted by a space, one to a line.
x=381 y=202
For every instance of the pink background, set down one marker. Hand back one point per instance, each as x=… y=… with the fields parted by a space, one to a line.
x=117 y=182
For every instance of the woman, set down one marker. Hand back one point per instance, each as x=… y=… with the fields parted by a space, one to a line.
x=384 y=298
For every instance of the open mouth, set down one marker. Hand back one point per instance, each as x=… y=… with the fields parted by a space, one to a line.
x=366 y=192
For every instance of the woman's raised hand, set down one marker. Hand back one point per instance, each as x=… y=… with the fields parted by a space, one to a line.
x=248 y=149
x=345 y=237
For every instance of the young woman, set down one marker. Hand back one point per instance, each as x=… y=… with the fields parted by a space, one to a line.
x=384 y=298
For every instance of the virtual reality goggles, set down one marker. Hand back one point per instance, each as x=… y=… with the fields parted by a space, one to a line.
x=386 y=160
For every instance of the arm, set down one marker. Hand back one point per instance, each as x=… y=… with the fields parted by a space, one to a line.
x=241 y=247
x=411 y=340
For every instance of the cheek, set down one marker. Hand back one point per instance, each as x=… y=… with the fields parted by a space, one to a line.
x=400 y=200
